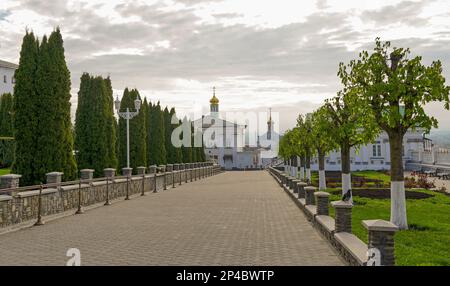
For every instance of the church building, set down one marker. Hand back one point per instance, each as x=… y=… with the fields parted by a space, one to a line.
x=225 y=141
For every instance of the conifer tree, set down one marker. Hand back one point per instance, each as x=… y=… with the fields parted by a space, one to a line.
x=94 y=125
x=187 y=150
x=138 y=135
x=170 y=150
x=25 y=119
x=148 y=125
x=157 y=136
x=111 y=125
x=61 y=95
x=6 y=130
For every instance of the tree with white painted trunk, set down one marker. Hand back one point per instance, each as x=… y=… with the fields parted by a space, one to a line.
x=285 y=150
x=304 y=127
x=351 y=130
x=394 y=88
x=322 y=127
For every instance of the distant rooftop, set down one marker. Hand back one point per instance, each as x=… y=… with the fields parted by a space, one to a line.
x=5 y=64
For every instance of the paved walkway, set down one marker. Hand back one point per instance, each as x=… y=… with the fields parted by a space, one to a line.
x=234 y=218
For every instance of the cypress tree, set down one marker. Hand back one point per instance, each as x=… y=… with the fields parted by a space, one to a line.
x=137 y=132
x=94 y=126
x=157 y=150
x=170 y=149
x=187 y=150
x=61 y=95
x=6 y=130
x=147 y=113
x=25 y=118
x=193 y=148
x=111 y=125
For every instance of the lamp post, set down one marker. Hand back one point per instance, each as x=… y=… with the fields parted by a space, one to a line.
x=127 y=115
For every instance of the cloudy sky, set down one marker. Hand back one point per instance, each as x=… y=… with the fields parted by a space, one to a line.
x=282 y=54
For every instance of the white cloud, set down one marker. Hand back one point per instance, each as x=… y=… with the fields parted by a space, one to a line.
x=283 y=54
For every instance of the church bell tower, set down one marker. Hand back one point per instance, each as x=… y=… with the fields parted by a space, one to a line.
x=214 y=104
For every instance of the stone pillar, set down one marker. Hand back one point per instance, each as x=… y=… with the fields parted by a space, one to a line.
x=309 y=195
x=86 y=174
x=10 y=181
x=195 y=171
x=284 y=179
x=127 y=172
x=343 y=216
x=295 y=185
x=381 y=237
x=141 y=170
x=169 y=168
x=301 y=189
x=322 y=203
x=152 y=169
x=109 y=172
x=54 y=178
x=162 y=168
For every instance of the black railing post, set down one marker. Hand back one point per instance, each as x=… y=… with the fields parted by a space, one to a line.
x=39 y=214
x=107 y=203
x=128 y=187
x=79 y=210
x=143 y=185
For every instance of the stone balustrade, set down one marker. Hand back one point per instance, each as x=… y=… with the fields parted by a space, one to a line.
x=21 y=204
x=338 y=230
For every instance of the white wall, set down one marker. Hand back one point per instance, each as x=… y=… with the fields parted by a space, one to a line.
x=364 y=159
x=7 y=87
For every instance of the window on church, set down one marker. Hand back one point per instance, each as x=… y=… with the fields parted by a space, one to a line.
x=4 y=78
x=376 y=150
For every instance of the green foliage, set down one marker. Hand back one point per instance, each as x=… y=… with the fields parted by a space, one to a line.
x=187 y=150
x=64 y=131
x=138 y=135
x=168 y=128
x=350 y=127
x=25 y=116
x=95 y=134
x=322 y=127
x=428 y=246
x=157 y=151
x=6 y=130
x=42 y=126
x=397 y=92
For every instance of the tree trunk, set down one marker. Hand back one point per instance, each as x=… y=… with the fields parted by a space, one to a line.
x=308 y=165
x=345 y=169
x=322 y=179
x=398 y=200
x=292 y=165
x=295 y=171
x=302 y=168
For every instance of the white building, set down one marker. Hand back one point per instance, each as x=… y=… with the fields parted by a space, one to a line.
x=269 y=142
x=7 y=81
x=225 y=141
x=376 y=156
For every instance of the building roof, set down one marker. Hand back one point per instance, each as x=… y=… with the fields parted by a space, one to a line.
x=208 y=121
x=214 y=100
x=5 y=64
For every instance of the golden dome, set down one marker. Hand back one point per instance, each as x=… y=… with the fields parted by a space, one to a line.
x=214 y=100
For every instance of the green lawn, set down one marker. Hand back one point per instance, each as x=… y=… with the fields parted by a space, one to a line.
x=373 y=175
x=4 y=171
x=427 y=242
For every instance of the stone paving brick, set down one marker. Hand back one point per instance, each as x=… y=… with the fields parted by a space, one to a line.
x=234 y=218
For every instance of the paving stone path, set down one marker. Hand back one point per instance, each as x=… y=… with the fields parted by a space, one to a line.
x=234 y=218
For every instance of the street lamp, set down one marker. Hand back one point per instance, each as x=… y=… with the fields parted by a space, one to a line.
x=127 y=115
